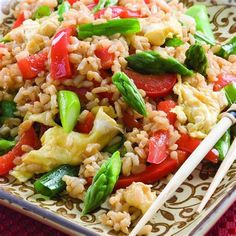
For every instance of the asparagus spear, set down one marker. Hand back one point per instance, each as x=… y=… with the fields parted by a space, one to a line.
x=151 y=62
x=196 y=59
x=227 y=49
x=122 y=26
x=129 y=92
x=173 y=42
x=51 y=183
x=41 y=12
x=64 y=7
x=199 y=13
x=103 y=183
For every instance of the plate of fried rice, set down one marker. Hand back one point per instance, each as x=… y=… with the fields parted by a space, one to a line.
x=101 y=101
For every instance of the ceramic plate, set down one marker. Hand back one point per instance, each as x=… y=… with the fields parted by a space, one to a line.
x=177 y=216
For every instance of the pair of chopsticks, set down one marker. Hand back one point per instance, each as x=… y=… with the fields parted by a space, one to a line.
x=228 y=119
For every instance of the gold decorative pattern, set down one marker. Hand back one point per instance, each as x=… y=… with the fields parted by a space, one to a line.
x=177 y=216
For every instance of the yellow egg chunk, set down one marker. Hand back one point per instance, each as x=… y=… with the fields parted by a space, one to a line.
x=157 y=33
x=59 y=147
x=201 y=107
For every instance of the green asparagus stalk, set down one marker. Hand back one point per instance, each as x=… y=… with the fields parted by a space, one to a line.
x=51 y=183
x=199 y=13
x=227 y=49
x=103 y=183
x=64 y=7
x=173 y=42
x=41 y=12
x=222 y=146
x=129 y=92
x=196 y=59
x=122 y=26
x=230 y=92
x=69 y=108
x=151 y=62
x=199 y=37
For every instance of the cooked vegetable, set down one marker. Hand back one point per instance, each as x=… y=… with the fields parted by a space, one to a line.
x=86 y=126
x=105 y=56
x=152 y=172
x=196 y=59
x=20 y=19
x=6 y=145
x=64 y=7
x=60 y=147
x=5 y=40
x=129 y=92
x=173 y=42
x=151 y=62
x=103 y=183
x=115 y=147
x=7 y=109
x=69 y=108
x=230 y=92
x=199 y=13
x=222 y=146
x=29 y=138
x=227 y=49
x=104 y=3
x=201 y=38
x=154 y=85
x=41 y=12
x=60 y=64
x=158 y=147
x=223 y=80
x=122 y=26
x=167 y=106
x=51 y=183
x=31 y=66
x=119 y=11
x=189 y=144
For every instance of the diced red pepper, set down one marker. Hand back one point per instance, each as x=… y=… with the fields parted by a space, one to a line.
x=223 y=80
x=20 y=19
x=152 y=173
x=105 y=56
x=31 y=66
x=166 y=106
x=189 y=144
x=154 y=85
x=158 y=147
x=119 y=11
x=130 y=122
x=87 y=125
x=60 y=64
x=28 y=138
x=147 y=1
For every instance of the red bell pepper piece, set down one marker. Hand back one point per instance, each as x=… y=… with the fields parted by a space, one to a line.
x=223 y=80
x=105 y=56
x=158 y=147
x=20 y=19
x=31 y=66
x=166 y=106
x=28 y=138
x=119 y=11
x=87 y=125
x=60 y=64
x=152 y=173
x=189 y=144
x=130 y=122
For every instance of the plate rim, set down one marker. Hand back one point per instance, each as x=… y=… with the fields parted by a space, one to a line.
x=65 y=225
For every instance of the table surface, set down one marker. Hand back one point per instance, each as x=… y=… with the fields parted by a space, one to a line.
x=14 y=223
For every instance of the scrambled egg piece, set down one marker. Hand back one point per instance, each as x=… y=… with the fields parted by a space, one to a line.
x=59 y=147
x=158 y=32
x=200 y=107
x=140 y=196
x=45 y=118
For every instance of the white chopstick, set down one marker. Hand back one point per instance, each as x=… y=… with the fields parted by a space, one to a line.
x=224 y=167
x=185 y=170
